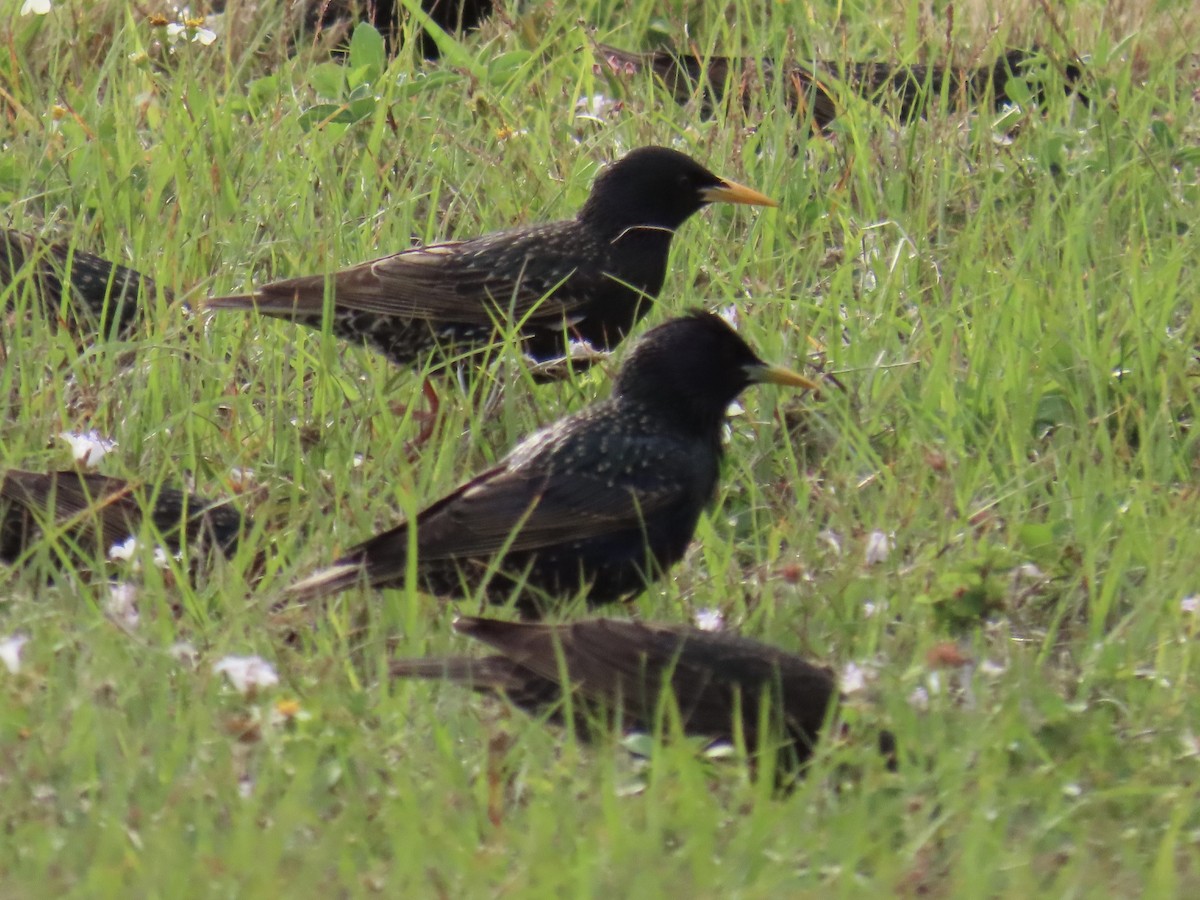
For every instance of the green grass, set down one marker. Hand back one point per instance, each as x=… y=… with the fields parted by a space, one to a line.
x=1009 y=299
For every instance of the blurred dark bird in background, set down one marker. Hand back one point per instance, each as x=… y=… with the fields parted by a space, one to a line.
x=91 y=513
x=610 y=671
x=909 y=92
x=89 y=293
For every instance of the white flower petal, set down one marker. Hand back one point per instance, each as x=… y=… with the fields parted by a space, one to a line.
x=879 y=548
x=853 y=679
x=123 y=551
x=10 y=651
x=710 y=619
x=35 y=7
x=89 y=448
x=121 y=604
x=247 y=673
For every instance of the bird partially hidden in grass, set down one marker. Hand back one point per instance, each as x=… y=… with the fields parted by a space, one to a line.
x=88 y=292
x=909 y=91
x=605 y=501
x=91 y=513
x=637 y=674
x=589 y=278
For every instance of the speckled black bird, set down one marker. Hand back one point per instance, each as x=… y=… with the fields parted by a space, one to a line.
x=103 y=296
x=591 y=277
x=95 y=512
x=909 y=91
x=606 y=499
x=717 y=681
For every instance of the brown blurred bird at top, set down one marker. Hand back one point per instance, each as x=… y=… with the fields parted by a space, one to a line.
x=589 y=278
x=635 y=671
x=604 y=501
x=91 y=513
x=909 y=91
x=91 y=293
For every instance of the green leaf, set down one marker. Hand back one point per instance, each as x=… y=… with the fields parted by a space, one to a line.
x=316 y=116
x=262 y=93
x=356 y=111
x=422 y=82
x=328 y=80
x=367 y=49
x=506 y=66
x=1018 y=91
x=10 y=170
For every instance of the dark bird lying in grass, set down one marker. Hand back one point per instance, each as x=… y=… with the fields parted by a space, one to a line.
x=91 y=293
x=908 y=91
x=590 y=278
x=636 y=672
x=605 y=500
x=92 y=513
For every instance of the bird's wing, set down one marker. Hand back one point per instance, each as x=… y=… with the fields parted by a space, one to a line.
x=519 y=510
x=612 y=660
x=70 y=497
x=500 y=277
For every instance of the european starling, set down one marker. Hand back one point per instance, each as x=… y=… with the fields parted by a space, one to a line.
x=606 y=499
x=717 y=682
x=591 y=277
x=97 y=512
x=907 y=90
x=103 y=294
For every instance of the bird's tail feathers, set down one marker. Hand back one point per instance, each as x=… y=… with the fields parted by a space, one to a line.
x=233 y=301
x=489 y=673
x=327 y=581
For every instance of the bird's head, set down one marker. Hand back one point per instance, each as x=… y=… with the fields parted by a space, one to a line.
x=657 y=187
x=690 y=369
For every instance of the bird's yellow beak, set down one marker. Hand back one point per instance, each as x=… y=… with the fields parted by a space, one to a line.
x=732 y=192
x=761 y=373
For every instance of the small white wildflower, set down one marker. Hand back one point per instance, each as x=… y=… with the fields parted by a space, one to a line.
x=1070 y=789
x=241 y=479
x=919 y=698
x=597 y=106
x=35 y=7
x=89 y=448
x=853 y=679
x=729 y=314
x=710 y=619
x=247 y=673
x=878 y=549
x=869 y=608
x=10 y=651
x=121 y=605
x=505 y=134
x=1190 y=604
x=123 y=551
x=162 y=559
x=245 y=786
